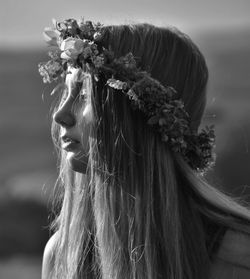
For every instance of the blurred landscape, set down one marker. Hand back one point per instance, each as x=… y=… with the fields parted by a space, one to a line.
x=28 y=162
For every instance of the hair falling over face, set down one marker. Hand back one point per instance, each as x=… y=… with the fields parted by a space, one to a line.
x=140 y=212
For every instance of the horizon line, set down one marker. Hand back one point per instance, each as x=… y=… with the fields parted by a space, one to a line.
x=31 y=44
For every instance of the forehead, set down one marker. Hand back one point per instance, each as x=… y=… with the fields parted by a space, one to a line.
x=76 y=78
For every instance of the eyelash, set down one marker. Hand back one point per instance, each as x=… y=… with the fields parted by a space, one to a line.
x=82 y=97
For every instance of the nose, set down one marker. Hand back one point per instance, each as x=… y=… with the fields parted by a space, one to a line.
x=64 y=116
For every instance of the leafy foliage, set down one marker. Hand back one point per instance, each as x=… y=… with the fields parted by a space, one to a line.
x=79 y=46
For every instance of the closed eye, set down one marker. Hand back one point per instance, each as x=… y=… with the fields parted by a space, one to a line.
x=82 y=97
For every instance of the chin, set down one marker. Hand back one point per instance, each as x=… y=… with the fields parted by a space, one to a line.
x=77 y=164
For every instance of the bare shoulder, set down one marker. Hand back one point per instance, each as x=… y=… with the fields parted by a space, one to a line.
x=233 y=257
x=235 y=245
x=49 y=256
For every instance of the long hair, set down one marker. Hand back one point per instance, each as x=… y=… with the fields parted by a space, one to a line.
x=140 y=211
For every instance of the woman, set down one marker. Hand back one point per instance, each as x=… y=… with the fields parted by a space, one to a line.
x=134 y=202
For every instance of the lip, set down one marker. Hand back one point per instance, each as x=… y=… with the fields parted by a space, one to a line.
x=69 y=143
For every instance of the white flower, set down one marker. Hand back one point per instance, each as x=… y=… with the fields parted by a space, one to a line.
x=71 y=48
x=51 y=36
x=97 y=36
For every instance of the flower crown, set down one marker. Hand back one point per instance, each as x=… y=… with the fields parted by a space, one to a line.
x=78 y=44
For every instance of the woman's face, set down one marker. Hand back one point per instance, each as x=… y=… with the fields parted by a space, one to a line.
x=75 y=117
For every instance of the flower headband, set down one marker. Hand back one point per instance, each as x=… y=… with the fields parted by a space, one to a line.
x=78 y=45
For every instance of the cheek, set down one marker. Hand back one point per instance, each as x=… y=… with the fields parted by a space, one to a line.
x=85 y=123
x=84 y=116
x=87 y=114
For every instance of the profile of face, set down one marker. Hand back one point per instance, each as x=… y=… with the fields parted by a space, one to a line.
x=75 y=117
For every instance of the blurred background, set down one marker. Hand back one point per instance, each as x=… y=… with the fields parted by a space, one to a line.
x=221 y=29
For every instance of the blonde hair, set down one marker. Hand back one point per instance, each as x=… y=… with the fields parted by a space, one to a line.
x=140 y=211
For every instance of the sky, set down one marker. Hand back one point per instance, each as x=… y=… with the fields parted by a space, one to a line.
x=22 y=22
